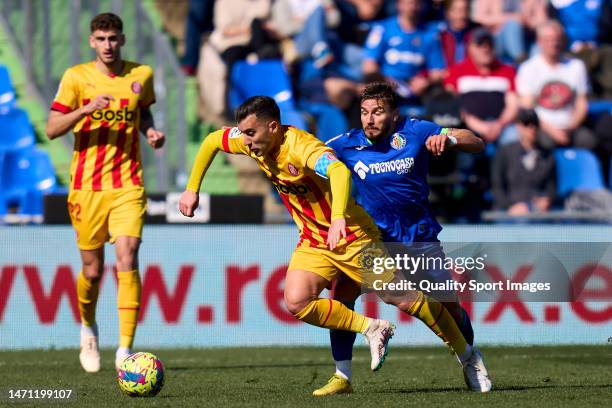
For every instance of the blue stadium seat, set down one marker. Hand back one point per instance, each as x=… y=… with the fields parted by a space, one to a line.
x=577 y=169
x=266 y=77
x=330 y=120
x=27 y=174
x=7 y=90
x=15 y=130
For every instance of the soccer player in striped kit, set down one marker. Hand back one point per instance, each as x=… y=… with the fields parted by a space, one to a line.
x=106 y=104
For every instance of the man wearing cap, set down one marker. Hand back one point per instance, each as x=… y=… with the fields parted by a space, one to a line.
x=486 y=90
x=523 y=172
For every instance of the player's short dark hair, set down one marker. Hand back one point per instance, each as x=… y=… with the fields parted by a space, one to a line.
x=382 y=91
x=106 y=22
x=262 y=106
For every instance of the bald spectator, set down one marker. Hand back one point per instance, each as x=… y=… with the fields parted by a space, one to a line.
x=556 y=85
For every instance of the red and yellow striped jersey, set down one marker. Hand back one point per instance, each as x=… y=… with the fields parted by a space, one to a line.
x=106 y=143
x=305 y=193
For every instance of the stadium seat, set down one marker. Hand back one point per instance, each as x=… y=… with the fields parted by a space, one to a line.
x=27 y=174
x=330 y=120
x=7 y=90
x=577 y=169
x=16 y=130
x=266 y=77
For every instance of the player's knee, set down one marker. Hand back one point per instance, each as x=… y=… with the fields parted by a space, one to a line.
x=93 y=270
x=295 y=304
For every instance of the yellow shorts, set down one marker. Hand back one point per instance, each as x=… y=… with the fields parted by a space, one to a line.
x=100 y=216
x=355 y=260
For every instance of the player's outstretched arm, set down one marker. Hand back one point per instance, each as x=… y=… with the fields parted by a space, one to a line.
x=155 y=138
x=189 y=200
x=60 y=123
x=463 y=140
x=340 y=183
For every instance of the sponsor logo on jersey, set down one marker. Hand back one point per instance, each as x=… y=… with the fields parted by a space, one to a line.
x=394 y=56
x=111 y=115
x=398 y=141
x=136 y=87
x=297 y=189
x=399 y=166
x=292 y=169
x=361 y=169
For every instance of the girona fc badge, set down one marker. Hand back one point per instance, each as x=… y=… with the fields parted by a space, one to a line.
x=292 y=169
x=136 y=87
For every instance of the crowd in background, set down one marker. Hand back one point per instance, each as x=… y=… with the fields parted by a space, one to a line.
x=519 y=73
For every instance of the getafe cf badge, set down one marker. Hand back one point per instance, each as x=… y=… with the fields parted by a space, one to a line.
x=416 y=41
x=398 y=141
x=136 y=87
x=292 y=169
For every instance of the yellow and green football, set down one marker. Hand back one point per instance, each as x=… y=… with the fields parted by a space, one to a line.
x=141 y=375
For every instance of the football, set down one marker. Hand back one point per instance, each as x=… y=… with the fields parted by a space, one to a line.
x=141 y=375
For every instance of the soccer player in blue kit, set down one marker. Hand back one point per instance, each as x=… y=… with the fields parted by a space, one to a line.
x=389 y=161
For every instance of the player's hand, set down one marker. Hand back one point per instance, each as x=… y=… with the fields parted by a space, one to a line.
x=436 y=144
x=97 y=103
x=189 y=203
x=337 y=229
x=155 y=138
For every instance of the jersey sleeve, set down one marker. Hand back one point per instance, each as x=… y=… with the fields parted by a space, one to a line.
x=423 y=129
x=220 y=140
x=374 y=46
x=148 y=91
x=67 y=97
x=315 y=155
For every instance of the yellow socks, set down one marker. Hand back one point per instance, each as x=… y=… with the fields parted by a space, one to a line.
x=332 y=314
x=128 y=304
x=87 y=293
x=439 y=320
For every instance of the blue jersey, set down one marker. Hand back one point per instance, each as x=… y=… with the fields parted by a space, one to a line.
x=580 y=18
x=389 y=179
x=403 y=54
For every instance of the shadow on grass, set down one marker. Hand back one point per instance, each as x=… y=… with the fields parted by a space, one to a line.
x=508 y=388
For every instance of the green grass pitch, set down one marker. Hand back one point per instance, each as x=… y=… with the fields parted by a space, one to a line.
x=285 y=377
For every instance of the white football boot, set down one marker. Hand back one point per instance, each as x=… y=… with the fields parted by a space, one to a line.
x=475 y=373
x=378 y=334
x=121 y=355
x=90 y=354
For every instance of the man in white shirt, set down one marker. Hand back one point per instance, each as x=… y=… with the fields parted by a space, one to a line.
x=556 y=87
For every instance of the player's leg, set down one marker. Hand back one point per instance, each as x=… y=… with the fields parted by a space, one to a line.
x=302 y=289
x=126 y=221
x=128 y=293
x=88 y=283
x=346 y=292
x=439 y=320
x=89 y=220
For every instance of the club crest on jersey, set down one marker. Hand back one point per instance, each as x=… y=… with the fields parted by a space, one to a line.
x=398 y=141
x=292 y=169
x=136 y=87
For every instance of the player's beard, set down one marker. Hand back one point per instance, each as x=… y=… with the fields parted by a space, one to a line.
x=378 y=132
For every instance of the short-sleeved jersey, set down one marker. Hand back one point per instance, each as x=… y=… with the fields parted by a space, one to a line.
x=298 y=173
x=390 y=179
x=402 y=54
x=106 y=145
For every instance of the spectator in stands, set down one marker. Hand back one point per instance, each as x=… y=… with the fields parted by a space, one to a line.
x=455 y=30
x=523 y=173
x=556 y=86
x=239 y=26
x=503 y=18
x=405 y=52
x=199 y=21
x=486 y=90
x=580 y=20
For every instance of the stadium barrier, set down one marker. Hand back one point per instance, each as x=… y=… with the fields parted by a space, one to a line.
x=223 y=286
